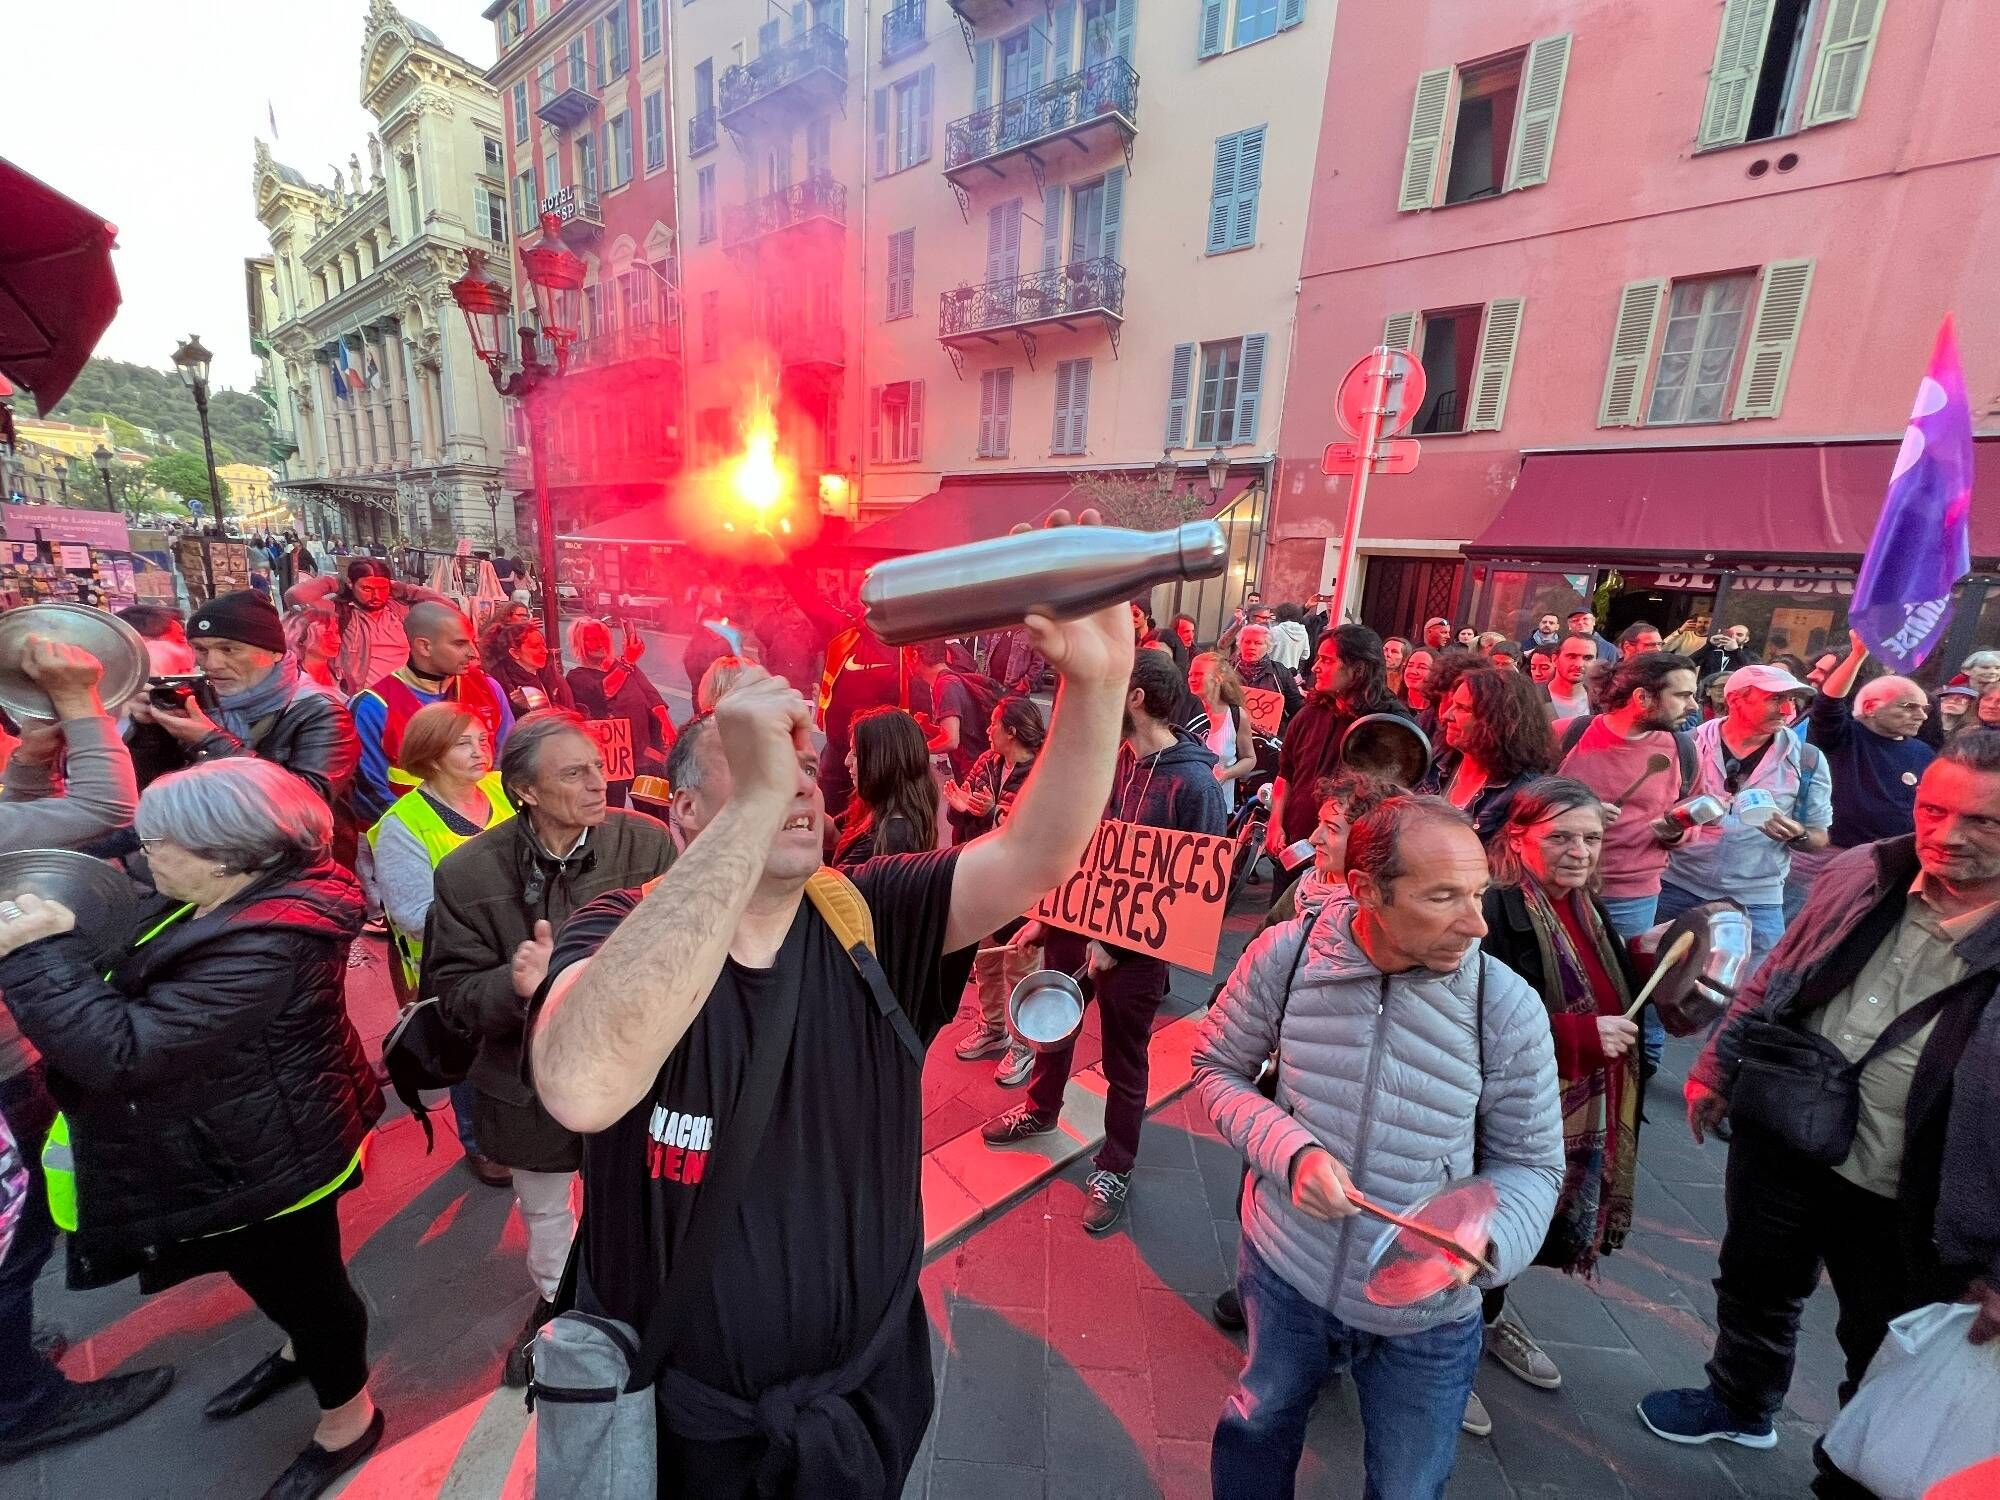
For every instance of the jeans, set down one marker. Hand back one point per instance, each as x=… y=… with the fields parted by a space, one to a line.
x=1767 y=920
x=29 y=1384
x=551 y=1224
x=1127 y=998
x=1630 y=916
x=461 y=1114
x=1412 y=1391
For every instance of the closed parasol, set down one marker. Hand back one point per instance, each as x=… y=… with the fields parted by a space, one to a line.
x=58 y=292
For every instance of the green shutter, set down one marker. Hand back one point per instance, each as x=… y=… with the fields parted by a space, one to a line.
x=1250 y=387
x=1639 y=307
x=1399 y=331
x=989 y=381
x=1059 y=434
x=881 y=132
x=921 y=147
x=1535 y=122
x=1038 y=58
x=916 y=420
x=1079 y=405
x=1294 y=14
x=1177 y=395
x=1774 y=336
x=1123 y=24
x=1222 y=192
x=1493 y=366
x=1052 y=212
x=1732 y=82
x=1114 y=213
x=1214 y=13
x=1426 y=143
x=1003 y=413
x=1064 y=23
x=1249 y=181
x=1846 y=46
x=875 y=424
x=982 y=77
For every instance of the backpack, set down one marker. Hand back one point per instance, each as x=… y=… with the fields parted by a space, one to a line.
x=1683 y=749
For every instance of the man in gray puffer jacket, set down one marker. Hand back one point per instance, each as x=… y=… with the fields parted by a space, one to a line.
x=1402 y=1054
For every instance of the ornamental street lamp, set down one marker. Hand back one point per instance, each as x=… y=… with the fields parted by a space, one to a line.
x=1218 y=474
x=492 y=488
x=63 y=471
x=191 y=360
x=101 y=456
x=1165 y=473
x=557 y=279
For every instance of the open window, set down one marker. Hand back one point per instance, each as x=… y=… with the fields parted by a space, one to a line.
x=1487 y=97
x=1785 y=65
x=1484 y=128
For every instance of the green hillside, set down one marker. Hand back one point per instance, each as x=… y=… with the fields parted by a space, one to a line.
x=156 y=399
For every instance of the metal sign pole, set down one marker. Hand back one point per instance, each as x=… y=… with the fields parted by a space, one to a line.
x=1357 y=496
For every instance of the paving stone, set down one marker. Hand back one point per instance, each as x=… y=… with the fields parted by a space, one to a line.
x=1100 y=1434
x=1194 y=1365
x=1093 y=1300
x=1005 y=1264
x=992 y=1406
x=1559 y=1309
x=1221 y=1169
x=1180 y=1468
x=1171 y=1226
x=953 y=1480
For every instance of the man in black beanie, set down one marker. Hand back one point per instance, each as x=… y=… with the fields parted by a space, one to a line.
x=369 y=608
x=266 y=706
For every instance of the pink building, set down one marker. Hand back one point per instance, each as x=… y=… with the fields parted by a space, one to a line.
x=1673 y=272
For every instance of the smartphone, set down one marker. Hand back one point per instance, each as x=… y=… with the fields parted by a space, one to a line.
x=170 y=693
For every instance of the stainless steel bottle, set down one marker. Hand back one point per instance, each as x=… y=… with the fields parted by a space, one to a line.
x=1061 y=571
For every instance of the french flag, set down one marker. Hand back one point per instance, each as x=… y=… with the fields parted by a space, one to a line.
x=1923 y=542
x=350 y=375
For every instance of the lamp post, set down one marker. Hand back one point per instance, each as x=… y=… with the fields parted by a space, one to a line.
x=557 y=279
x=492 y=488
x=1165 y=473
x=1218 y=474
x=101 y=456
x=191 y=360
x=63 y=471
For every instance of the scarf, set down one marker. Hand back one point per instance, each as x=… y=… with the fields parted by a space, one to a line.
x=237 y=712
x=1600 y=1110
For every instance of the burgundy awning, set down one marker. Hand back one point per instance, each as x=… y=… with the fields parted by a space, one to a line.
x=1789 y=502
x=973 y=507
x=58 y=292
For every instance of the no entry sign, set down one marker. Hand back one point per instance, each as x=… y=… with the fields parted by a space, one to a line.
x=1155 y=890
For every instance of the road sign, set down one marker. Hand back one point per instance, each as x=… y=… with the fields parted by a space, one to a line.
x=1401 y=402
x=1395 y=456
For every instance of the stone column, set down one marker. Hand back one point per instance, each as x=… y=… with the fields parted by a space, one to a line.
x=378 y=399
x=340 y=455
x=413 y=414
x=399 y=396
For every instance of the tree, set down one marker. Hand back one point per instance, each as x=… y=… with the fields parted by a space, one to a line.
x=181 y=473
x=1135 y=499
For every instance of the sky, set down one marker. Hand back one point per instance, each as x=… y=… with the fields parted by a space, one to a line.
x=145 y=113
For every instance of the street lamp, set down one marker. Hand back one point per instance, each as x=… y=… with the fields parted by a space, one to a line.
x=101 y=456
x=63 y=471
x=1218 y=474
x=557 y=279
x=191 y=360
x=1165 y=473
x=492 y=488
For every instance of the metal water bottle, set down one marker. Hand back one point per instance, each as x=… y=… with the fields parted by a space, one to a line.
x=1061 y=572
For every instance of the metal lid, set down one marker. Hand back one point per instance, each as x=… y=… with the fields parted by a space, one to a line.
x=103 y=899
x=116 y=645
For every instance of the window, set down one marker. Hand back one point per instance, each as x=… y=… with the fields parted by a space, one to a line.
x=1254 y=21
x=411 y=205
x=903 y=123
x=704 y=194
x=1223 y=383
x=521 y=110
x=1215 y=412
x=524 y=201
x=618 y=150
x=819 y=147
x=1484 y=129
x=1698 y=353
x=551 y=170
x=996 y=412
x=1100 y=32
x=1709 y=322
x=900 y=297
x=649 y=28
x=1020 y=62
x=1233 y=190
x=832 y=14
x=704 y=86
x=496 y=159
x=1072 y=425
x=902 y=29
x=711 y=433
x=711 y=327
x=541 y=10
x=1468 y=359
x=545 y=80
x=897 y=425
x=586 y=165
x=656 y=131
x=613 y=44
x=579 y=64
x=1761 y=85
x=489 y=214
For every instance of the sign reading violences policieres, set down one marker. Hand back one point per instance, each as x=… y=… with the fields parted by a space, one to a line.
x=1157 y=891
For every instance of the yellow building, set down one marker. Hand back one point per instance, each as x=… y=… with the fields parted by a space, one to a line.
x=252 y=505
x=72 y=438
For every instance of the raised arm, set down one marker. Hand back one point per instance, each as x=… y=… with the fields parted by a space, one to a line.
x=606 y=1026
x=1840 y=681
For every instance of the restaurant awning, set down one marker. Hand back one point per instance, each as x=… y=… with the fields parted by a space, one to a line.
x=647 y=526
x=1807 y=503
x=973 y=507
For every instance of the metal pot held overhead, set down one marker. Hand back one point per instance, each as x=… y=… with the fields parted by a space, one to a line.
x=116 y=645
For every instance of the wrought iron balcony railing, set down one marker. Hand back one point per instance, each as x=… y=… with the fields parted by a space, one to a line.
x=1106 y=93
x=701 y=132
x=577 y=208
x=812 y=66
x=902 y=29
x=818 y=197
x=1062 y=294
x=566 y=92
x=629 y=341
x=805 y=341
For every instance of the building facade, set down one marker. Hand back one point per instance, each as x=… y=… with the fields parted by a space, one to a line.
x=254 y=505
x=1673 y=275
x=389 y=420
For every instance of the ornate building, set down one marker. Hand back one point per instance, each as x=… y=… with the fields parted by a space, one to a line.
x=386 y=421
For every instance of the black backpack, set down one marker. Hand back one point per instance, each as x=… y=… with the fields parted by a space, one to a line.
x=1683 y=749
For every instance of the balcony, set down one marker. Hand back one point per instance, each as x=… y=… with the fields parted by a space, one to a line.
x=979 y=12
x=1078 y=295
x=577 y=208
x=819 y=200
x=701 y=133
x=567 y=93
x=902 y=29
x=804 y=74
x=809 y=346
x=1084 y=111
x=628 y=344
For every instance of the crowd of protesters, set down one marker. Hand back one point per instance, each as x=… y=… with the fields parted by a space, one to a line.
x=843 y=850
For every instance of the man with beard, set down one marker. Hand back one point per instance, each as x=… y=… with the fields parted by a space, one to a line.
x=1350 y=679
x=370 y=611
x=1257 y=670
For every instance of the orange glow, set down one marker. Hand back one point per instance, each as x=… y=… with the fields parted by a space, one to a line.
x=759 y=478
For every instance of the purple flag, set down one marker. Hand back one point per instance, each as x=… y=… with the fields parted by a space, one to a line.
x=1923 y=542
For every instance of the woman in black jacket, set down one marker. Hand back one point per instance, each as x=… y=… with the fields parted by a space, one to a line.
x=895 y=806
x=518 y=657
x=215 y=1093
x=1496 y=740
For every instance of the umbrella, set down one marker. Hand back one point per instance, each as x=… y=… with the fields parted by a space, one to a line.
x=58 y=292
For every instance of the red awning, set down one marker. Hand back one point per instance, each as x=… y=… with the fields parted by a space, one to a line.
x=649 y=525
x=973 y=507
x=58 y=292
x=1790 y=502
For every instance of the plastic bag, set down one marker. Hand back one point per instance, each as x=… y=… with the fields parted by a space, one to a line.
x=1928 y=1407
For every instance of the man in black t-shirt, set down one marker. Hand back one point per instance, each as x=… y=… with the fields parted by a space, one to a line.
x=649 y=1026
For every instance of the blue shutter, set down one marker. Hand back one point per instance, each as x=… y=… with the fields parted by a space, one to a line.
x=1114 y=211
x=881 y=132
x=1249 y=179
x=1177 y=395
x=1003 y=413
x=1038 y=58
x=1213 y=14
x=1079 y=406
x=920 y=149
x=1222 y=193
x=1293 y=14
x=1059 y=435
x=1250 y=387
x=1052 y=211
x=1125 y=22
x=982 y=77
x=1065 y=25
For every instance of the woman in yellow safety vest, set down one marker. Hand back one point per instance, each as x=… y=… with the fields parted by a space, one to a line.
x=460 y=796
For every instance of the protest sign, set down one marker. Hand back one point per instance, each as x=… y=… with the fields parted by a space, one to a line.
x=1157 y=891
x=1267 y=709
x=614 y=742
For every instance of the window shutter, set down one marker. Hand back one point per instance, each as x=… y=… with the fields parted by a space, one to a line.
x=1213 y=15
x=1038 y=58
x=1541 y=101
x=988 y=383
x=1774 y=336
x=1222 y=192
x=1426 y=147
x=1114 y=212
x=1639 y=307
x=768 y=38
x=1250 y=387
x=1059 y=437
x=1294 y=14
x=1124 y=23
x=917 y=419
x=1079 y=405
x=1064 y=23
x=1846 y=46
x=1177 y=395
x=875 y=424
x=1249 y=180
x=1493 y=366
x=1052 y=210
x=982 y=77
x=1739 y=53
x=921 y=147
x=1399 y=331
x=1003 y=240
x=881 y=132
x=1003 y=412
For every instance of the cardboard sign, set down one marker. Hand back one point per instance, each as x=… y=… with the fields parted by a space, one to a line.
x=614 y=742
x=1267 y=709
x=1157 y=891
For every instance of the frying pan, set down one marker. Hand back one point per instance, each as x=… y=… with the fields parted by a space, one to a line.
x=114 y=643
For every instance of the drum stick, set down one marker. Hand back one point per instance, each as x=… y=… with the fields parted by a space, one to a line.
x=1673 y=955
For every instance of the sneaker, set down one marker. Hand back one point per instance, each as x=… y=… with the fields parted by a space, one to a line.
x=1508 y=1342
x=1013 y=1069
x=376 y=926
x=1476 y=1421
x=981 y=1039
x=1018 y=1124
x=1698 y=1415
x=1229 y=1311
x=1106 y=1200
x=86 y=1407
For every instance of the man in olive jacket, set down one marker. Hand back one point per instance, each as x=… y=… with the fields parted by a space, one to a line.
x=500 y=897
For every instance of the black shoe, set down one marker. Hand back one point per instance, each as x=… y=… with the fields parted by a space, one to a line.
x=51 y=1343
x=91 y=1406
x=516 y=1372
x=488 y=1170
x=314 y=1471
x=265 y=1379
x=1229 y=1311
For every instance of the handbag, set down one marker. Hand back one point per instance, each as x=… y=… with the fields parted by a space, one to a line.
x=1799 y=1089
x=1928 y=1407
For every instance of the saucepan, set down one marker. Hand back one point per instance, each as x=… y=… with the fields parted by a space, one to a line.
x=1386 y=745
x=1045 y=1010
x=1701 y=956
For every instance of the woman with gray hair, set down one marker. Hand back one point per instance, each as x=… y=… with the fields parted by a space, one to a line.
x=214 y=1093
